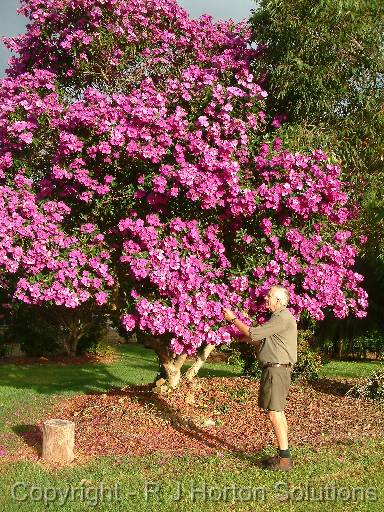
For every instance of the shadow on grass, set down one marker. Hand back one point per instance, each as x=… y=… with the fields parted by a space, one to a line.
x=136 y=365
x=47 y=379
x=30 y=435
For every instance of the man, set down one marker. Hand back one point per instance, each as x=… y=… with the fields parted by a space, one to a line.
x=277 y=353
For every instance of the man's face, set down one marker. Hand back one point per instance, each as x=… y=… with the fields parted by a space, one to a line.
x=271 y=301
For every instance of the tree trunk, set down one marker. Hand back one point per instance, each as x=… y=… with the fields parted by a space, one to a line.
x=172 y=367
x=58 y=441
x=76 y=330
x=170 y=363
x=71 y=342
x=202 y=356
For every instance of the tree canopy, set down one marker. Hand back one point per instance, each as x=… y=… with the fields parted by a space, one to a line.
x=136 y=175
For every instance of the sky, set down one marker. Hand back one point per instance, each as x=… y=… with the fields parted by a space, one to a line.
x=12 y=24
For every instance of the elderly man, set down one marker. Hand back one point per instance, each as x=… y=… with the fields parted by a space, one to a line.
x=277 y=352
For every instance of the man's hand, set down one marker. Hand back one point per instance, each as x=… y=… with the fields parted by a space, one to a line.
x=228 y=314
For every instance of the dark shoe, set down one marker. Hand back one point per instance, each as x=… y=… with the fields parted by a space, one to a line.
x=270 y=460
x=279 y=463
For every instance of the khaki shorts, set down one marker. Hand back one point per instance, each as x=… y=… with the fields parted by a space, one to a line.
x=274 y=386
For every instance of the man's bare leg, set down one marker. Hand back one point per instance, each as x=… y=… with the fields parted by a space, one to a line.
x=280 y=427
x=283 y=461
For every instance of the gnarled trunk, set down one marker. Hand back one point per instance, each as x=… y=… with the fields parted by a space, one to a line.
x=170 y=363
x=201 y=358
x=172 y=367
x=69 y=324
x=76 y=329
x=70 y=343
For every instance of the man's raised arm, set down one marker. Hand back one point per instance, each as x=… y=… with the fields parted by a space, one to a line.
x=254 y=334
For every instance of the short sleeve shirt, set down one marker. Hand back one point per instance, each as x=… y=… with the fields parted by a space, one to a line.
x=279 y=335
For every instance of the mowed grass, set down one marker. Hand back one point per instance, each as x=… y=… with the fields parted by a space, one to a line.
x=26 y=391
x=344 y=477
x=350 y=369
x=338 y=479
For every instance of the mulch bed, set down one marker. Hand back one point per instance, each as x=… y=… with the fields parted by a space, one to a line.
x=212 y=415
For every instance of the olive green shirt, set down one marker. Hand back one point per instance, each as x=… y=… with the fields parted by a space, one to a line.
x=279 y=335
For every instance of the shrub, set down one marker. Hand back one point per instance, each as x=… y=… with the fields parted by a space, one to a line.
x=309 y=362
x=95 y=340
x=36 y=335
x=307 y=367
x=371 y=387
x=43 y=331
x=3 y=340
x=243 y=356
x=4 y=351
x=368 y=342
x=101 y=348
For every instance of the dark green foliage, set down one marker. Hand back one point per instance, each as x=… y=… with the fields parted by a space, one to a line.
x=3 y=337
x=345 y=341
x=244 y=356
x=99 y=348
x=321 y=53
x=3 y=348
x=249 y=363
x=36 y=334
x=43 y=331
x=372 y=387
x=324 y=67
x=308 y=364
x=95 y=340
x=369 y=342
x=354 y=337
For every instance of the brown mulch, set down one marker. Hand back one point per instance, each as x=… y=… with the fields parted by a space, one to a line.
x=137 y=421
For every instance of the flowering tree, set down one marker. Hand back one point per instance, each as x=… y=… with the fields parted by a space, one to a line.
x=135 y=177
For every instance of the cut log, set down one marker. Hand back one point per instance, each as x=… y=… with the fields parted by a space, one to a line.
x=58 y=441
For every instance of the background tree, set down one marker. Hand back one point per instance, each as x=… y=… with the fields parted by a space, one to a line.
x=323 y=63
x=323 y=66
x=135 y=179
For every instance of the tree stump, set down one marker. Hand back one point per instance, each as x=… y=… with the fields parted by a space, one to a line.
x=58 y=441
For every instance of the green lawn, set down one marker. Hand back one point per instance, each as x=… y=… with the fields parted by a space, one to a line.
x=350 y=369
x=346 y=477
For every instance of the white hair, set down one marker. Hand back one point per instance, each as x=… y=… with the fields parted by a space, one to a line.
x=281 y=293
